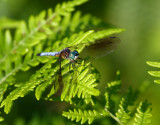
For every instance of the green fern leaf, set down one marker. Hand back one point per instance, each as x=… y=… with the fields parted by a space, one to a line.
x=104 y=33
x=154 y=73
x=54 y=88
x=21 y=91
x=6 y=23
x=38 y=35
x=26 y=38
x=68 y=6
x=112 y=88
x=83 y=116
x=153 y=64
x=157 y=81
x=3 y=88
x=82 y=90
x=81 y=84
x=143 y=115
x=123 y=113
x=41 y=88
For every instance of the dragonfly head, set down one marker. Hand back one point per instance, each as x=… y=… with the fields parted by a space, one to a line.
x=74 y=55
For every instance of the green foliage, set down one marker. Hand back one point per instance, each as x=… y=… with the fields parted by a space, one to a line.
x=143 y=115
x=154 y=73
x=83 y=116
x=23 y=89
x=123 y=113
x=54 y=31
x=112 y=88
x=27 y=42
x=82 y=83
x=8 y=23
x=22 y=43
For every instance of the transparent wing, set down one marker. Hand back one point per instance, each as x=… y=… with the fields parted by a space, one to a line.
x=100 y=48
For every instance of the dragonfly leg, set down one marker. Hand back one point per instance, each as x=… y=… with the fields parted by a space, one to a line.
x=69 y=66
x=80 y=62
x=74 y=66
x=60 y=64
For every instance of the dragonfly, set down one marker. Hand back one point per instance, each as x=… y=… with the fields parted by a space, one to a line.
x=98 y=49
x=63 y=54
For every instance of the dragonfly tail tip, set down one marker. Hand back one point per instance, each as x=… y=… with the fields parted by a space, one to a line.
x=39 y=54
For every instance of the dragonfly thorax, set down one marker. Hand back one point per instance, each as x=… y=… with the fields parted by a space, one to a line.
x=73 y=55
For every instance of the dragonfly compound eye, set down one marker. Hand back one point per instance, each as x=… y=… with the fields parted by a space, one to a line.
x=76 y=54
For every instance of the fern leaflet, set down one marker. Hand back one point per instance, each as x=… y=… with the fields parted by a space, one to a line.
x=154 y=73
x=143 y=115
x=123 y=113
x=81 y=83
x=83 y=116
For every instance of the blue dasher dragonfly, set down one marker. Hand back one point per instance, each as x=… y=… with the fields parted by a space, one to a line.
x=64 y=54
x=98 y=49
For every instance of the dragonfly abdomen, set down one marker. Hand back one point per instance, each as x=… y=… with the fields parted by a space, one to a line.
x=48 y=54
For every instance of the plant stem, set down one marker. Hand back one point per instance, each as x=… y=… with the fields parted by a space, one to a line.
x=114 y=117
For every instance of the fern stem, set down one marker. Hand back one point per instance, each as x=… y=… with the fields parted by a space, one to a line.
x=114 y=117
x=13 y=71
x=36 y=29
x=9 y=74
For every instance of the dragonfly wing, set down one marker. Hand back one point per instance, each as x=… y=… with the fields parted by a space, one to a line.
x=49 y=54
x=100 y=48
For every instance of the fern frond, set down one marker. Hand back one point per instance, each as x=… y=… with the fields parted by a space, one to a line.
x=123 y=113
x=6 y=23
x=67 y=7
x=75 y=39
x=82 y=116
x=143 y=115
x=112 y=88
x=26 y=37
x=30 y=59
x=104 y=33
x=36 y=79
x=46 y=76
x=82 y=89
x=51 y=31
x=80 y=83
x=76 y=23
x=154 y=73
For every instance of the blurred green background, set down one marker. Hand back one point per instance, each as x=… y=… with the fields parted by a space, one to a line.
x=139 y=43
